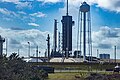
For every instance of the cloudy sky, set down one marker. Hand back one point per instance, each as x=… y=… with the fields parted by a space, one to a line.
x=31 y=20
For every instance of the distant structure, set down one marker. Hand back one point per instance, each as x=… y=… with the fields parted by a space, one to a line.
x=67 y=34
x=2 y=40
x=104 y=56
x=48 y=46
x=84 y=31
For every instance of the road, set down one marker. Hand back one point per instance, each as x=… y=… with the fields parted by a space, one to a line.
x=79 y=71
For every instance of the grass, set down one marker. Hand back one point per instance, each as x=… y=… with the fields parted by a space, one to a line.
x=67 y=76
x=81 y=67
x=71 y=75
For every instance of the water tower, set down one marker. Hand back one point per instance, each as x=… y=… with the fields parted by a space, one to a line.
x=84 y=31
x=1 y=45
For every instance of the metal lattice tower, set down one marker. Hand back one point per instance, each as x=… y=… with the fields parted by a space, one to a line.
x=55 y=36
x=84 y=40
x=59 y=42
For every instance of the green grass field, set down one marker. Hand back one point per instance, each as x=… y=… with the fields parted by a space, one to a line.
x=69 y=71
x=64 y=76
x=71 y=75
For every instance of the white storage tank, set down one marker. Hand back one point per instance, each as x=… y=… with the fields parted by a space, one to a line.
x=104 y=56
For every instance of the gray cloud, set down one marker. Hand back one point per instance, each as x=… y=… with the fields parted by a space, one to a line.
x=16 y=28
x=9 y=15
x=109 y=32
x=104 y=46
x=106 y=37
x=13 y=41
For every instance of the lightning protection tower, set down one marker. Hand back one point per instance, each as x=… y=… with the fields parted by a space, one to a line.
x=84 y=31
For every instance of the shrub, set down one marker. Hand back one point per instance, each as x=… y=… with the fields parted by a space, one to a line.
x=14 y=68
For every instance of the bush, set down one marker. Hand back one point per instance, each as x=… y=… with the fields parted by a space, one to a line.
x=14 y=68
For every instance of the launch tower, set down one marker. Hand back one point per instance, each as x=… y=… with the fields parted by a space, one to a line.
x=67 y=34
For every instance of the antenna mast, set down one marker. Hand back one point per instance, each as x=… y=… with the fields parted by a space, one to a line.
x=67 y=8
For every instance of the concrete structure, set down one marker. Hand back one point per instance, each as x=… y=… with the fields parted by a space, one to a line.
x=2 y=40
x=66 y=60
x=32 y=60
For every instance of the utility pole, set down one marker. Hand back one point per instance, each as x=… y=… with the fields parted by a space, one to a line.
x=115 y=53
x=97 y=53
x=6 y=46
x=37 y=54
x=29 y=49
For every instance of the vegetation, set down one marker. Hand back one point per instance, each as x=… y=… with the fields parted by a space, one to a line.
x=14 y=68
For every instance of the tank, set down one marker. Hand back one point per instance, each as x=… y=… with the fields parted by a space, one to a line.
x=84 y=7
x=104 y=56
